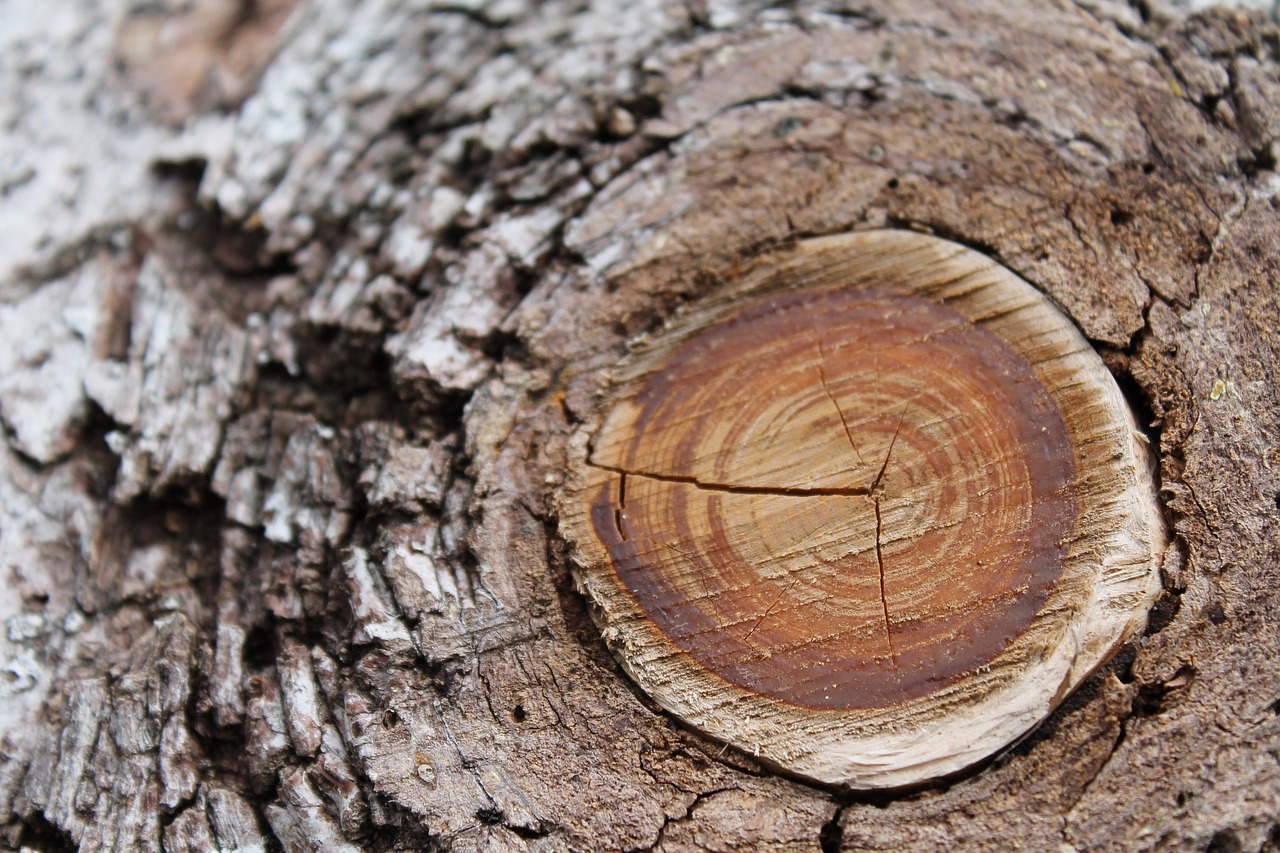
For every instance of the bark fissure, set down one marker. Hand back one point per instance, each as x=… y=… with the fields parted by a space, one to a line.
x=699 y=798
x=555 y=202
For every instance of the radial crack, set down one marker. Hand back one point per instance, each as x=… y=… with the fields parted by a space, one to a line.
x=781 y=595
x=780 y=491
x=822 y=377
x=884 y=599
x=875 y=499
x=889 y=453
x=621 y=509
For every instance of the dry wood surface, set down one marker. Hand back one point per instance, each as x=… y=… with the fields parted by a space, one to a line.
x=304 y=308
x=869 y=513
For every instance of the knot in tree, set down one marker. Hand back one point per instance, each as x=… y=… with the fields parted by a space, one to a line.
x=869 y=512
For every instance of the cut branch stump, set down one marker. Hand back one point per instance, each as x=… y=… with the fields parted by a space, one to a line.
x=869 y=513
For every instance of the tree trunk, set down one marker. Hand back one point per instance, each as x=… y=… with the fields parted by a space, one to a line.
x=302 y=305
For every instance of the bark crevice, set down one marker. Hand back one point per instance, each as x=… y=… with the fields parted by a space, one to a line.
x=289 y=385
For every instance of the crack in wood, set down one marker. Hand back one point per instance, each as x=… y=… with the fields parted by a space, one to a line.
x=872 y=492
x=884 y=600
x=822 y=378
x=729 y=488
x=781 y=595
x=621 y=511
x=875 y=499
x=875 y=485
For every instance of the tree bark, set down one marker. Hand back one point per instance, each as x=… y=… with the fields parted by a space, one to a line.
x=302 y=304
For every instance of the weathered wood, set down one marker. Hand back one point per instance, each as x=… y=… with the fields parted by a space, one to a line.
x=279 y=538
x=869 y=513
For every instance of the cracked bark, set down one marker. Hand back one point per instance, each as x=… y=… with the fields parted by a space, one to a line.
x=287 y=388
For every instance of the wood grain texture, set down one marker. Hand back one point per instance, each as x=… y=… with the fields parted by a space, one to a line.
x=870 y=512
x=291 y=388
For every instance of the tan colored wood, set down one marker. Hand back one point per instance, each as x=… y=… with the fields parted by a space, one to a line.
x=286 y=402
x=869 y=513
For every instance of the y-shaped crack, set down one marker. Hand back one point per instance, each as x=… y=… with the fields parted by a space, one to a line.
x=872 y=492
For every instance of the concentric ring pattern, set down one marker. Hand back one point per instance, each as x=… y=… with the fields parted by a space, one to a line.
x=838 y=498
x=868 y=510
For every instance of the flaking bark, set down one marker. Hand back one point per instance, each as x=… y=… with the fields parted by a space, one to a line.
x=286 y=390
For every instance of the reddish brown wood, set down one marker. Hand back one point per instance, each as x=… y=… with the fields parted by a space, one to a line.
x=879 y=486
x=889 y=617
x=289 y=391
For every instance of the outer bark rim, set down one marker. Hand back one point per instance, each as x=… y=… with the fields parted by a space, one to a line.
x=1108 y=586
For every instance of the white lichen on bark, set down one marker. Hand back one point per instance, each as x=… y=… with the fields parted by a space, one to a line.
x=285 y=387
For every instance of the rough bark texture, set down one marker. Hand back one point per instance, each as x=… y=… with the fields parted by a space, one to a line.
x=285 y=393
